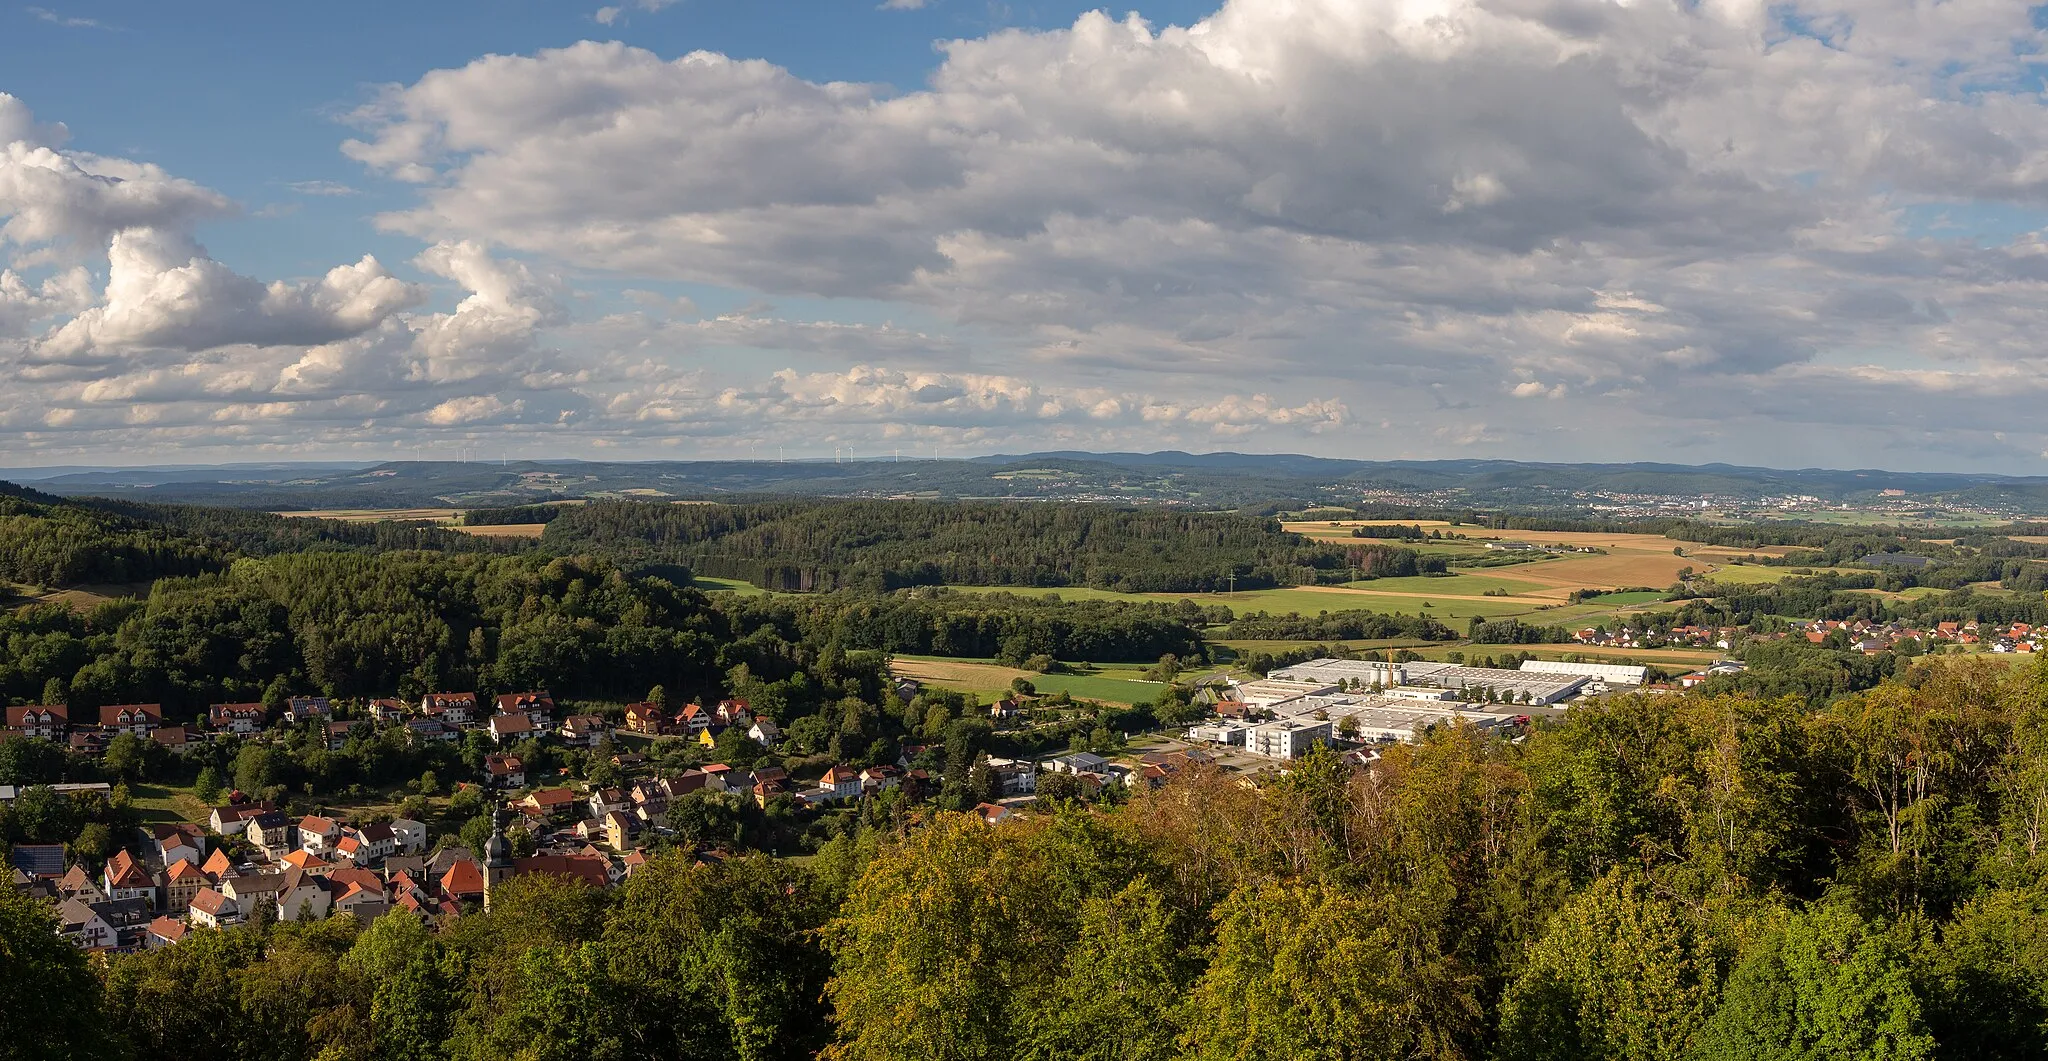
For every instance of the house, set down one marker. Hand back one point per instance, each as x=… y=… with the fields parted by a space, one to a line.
x=176 y=840
x=693 y=720
x=764 y=732
x=125 y=878
x=303 y=897
x=714 y=777
x=42 y=721
x=649 y=799
x=365 y=898
x=232 y=818
x=386 y=711
x=507 y=728
x=163 y=932
x=539 y=708
x=218 y=866
x=213 y=909
x=843 y=782
x=307 y=863
x=645 y=718
x=587 y=869
x=376 y=843
x=505 y=771
x=252 y=889
x=338 y=734
x=619 y=831
x=236 y=718
x=318 y=834
x=183 y=881
x=880 y=778
x=273 y=832
x=173 y=737
x=410 y=835
x=454 y=709
x=137 y=719
x=76 y=883
x=38 y=860
x=732 y=713
x=708 y=737
x=605 y=801
x=906 y=689
x=81 y=923
x=89 y=742
x=1004 y=710
x=991 y=813
x=307 y=709
x=463 y=882
x=1014 y=777
x=551 y=804
x=1077 y=763
x=129 y=918
x=429 y=730
x=584 y=731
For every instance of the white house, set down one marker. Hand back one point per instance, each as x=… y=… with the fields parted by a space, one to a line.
x=410 y=835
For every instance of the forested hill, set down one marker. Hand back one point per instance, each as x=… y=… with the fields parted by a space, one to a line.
x=822 y=545
x=53 y=541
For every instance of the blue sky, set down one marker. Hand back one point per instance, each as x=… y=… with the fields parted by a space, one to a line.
x=253 y=103
x=1767 y=233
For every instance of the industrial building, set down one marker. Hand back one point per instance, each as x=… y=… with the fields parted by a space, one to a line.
x=1610 y=673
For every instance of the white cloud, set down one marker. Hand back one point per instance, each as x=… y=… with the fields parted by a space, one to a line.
x=164 y=292
x=1524 y=227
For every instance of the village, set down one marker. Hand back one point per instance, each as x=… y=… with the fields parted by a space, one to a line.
x=250 y=859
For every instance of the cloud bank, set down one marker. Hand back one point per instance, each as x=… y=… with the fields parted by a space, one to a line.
x=1574 y=229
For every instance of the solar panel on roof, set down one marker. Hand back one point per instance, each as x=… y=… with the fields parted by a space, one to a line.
x=39 y=860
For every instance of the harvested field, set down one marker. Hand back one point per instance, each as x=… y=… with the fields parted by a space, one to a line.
x=376 y=515
x=506 y=530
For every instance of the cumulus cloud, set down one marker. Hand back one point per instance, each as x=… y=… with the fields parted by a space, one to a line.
x=1526 y=227
x=1599 y=202
x=163 y=292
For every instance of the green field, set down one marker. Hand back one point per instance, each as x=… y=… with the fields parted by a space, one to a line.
x=1758 y=574
x=1115 y=682
x=725 y=585
x=1618 y=600
x=1303 y=601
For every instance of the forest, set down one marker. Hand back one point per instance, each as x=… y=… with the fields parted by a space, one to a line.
x=802 y=546
x=1684 y=877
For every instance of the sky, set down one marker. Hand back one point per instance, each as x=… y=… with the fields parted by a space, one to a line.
x=1785 y=234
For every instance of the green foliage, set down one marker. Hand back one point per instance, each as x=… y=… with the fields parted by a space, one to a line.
x=1824 y=984
x=886 y=545
x=49 y=998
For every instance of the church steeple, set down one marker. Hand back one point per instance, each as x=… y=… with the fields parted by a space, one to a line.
x=497 y=855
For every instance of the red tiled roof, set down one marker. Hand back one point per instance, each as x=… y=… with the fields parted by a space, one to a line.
x=123 y=871
x=17 y=716
x=463 y=878
x=584 y=868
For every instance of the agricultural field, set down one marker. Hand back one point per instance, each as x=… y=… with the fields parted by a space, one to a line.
x=378 y=515
x=1310 y=600
x=505 y=530
x=991 y=680
x=80 y=597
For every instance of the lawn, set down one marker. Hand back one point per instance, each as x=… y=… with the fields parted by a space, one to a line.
x=725 y=585
x=163 y=803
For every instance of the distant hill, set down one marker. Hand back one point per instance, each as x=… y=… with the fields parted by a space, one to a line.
x=1208 y=480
